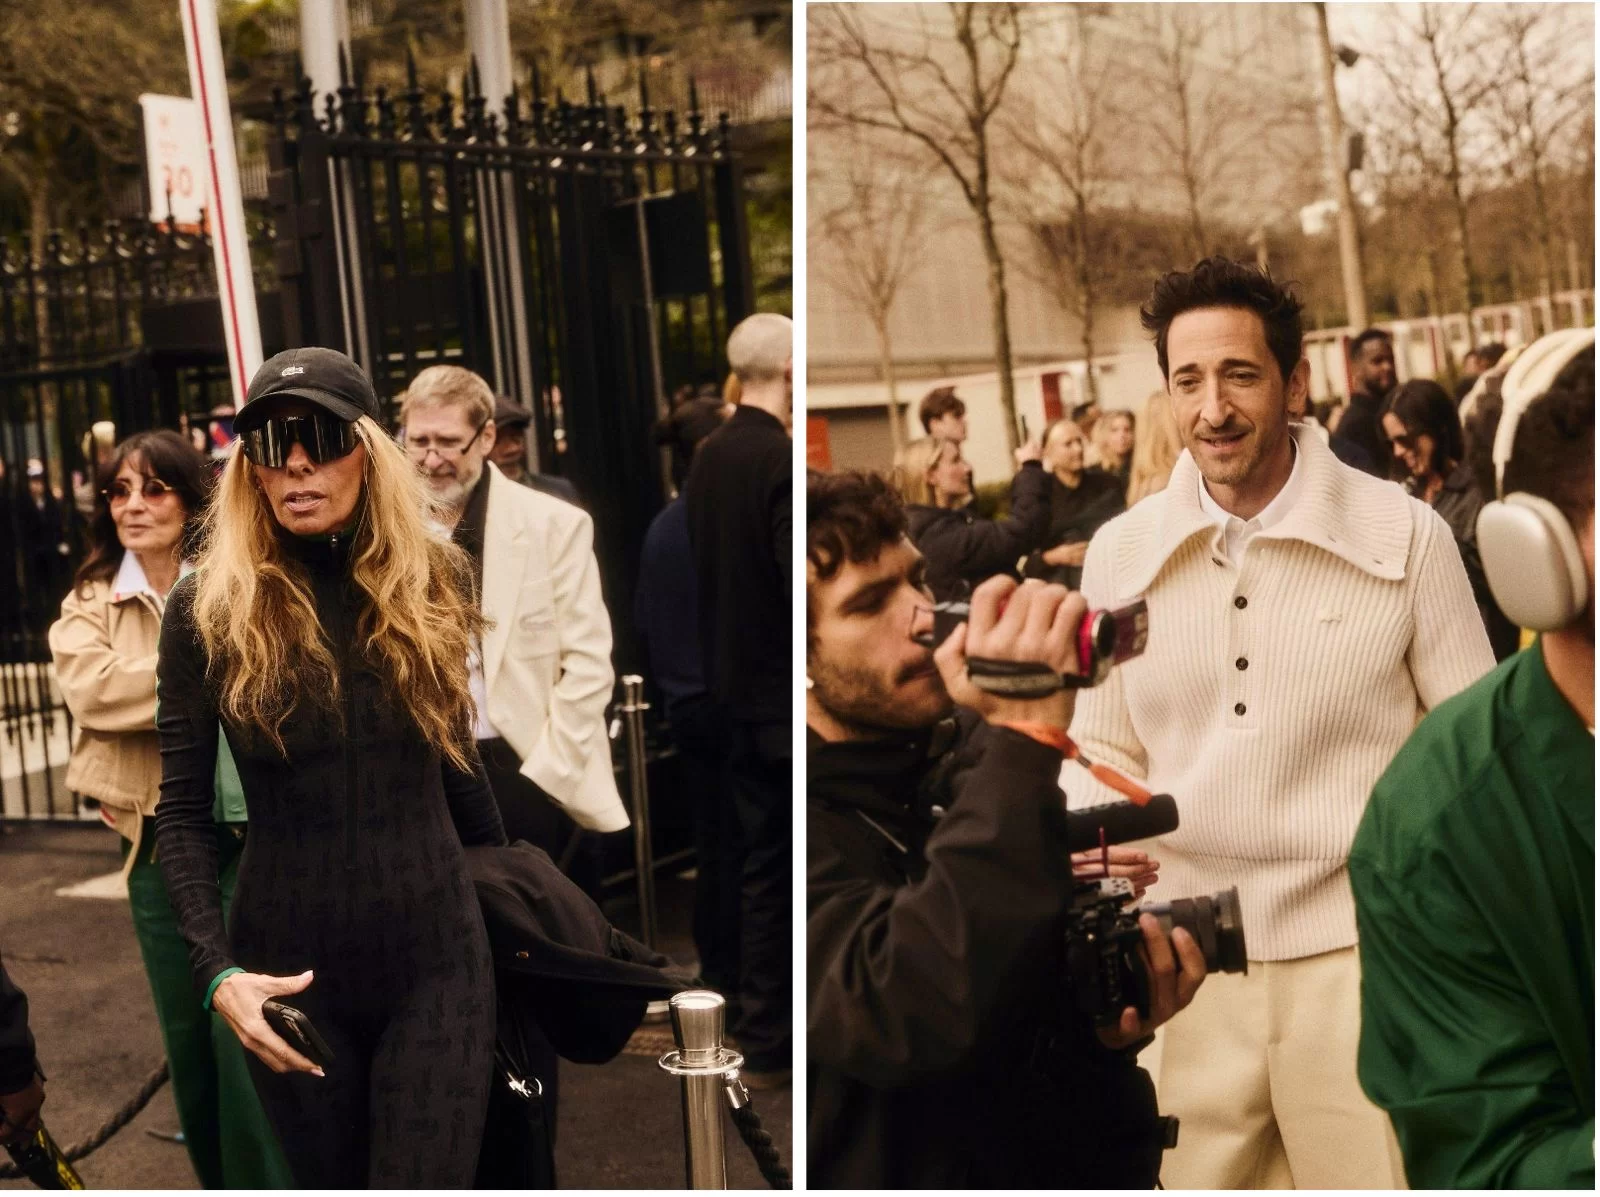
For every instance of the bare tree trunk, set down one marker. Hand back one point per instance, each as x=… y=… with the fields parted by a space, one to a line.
x=39 y=211
x=1458 y=201
x=1434 y=307
x=1197 y=228
x=1191 y=179
x=1089 y=380
x=1086 y=300
x=39 y=229
x=998 y=302
x=897 y=428
x=998 y=298
x=1541 y=224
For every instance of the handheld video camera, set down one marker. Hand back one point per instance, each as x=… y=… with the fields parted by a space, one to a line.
x=1105 y=972
x=1105 y=639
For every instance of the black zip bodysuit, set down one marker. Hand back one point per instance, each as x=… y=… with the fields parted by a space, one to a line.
x=353 y=867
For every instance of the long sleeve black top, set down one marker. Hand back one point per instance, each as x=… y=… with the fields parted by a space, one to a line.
x=332 y=820
x=740 y=500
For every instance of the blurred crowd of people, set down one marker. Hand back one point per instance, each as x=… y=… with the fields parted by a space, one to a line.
x=325 y=668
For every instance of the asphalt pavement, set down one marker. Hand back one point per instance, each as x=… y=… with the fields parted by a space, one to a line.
x=91 y=1012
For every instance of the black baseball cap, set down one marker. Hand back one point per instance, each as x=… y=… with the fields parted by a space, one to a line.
x=325 y=377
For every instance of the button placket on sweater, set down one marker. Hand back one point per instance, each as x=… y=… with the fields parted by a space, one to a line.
x=1239 y=664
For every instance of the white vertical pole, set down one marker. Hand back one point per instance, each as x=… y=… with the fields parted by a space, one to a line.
x=324 y=27
x=489 y=43
x=235 y=283
x=324 y=31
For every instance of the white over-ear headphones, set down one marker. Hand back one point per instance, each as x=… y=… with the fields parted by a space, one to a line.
x=1530 y=552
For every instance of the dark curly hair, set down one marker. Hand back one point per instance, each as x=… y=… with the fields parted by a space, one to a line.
x=850 y=516
x=1552 y=456
x=1219 y=282
x=162 y=454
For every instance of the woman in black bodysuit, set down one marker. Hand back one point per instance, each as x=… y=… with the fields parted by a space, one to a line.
x=328 y=630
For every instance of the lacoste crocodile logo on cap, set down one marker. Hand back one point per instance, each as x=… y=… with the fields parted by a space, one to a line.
x=288 y=370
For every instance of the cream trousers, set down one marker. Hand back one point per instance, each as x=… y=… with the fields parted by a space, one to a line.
x=1261 y=1071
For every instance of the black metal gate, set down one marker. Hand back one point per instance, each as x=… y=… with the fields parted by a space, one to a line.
x=74 y=352
x=585 y=262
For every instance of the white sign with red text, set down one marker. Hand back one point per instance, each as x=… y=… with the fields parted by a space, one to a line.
x=175 y=156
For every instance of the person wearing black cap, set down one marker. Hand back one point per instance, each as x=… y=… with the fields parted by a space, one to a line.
x=509 y=452
x=350 y=718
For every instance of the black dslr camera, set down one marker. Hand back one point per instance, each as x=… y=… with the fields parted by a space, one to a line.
x=1105 y=639
x=1105 y=972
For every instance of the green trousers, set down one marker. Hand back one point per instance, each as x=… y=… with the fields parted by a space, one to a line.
x=230 y=1141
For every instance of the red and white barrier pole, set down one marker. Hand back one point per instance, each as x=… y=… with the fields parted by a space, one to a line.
x=235 y=284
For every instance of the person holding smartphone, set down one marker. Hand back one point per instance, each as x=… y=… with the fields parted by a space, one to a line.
x=961 y=546
x=328 y=628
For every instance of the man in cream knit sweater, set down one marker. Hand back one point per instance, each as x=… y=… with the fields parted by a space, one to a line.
x=1303 y=617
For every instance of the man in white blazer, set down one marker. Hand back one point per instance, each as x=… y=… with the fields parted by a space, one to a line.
x=544 y=676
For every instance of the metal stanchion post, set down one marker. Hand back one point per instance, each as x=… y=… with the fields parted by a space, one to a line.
x=633 y=707
x=705 y=1069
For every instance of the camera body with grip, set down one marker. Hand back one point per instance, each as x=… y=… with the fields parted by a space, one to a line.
x=1104 y=639
x=1105 y=970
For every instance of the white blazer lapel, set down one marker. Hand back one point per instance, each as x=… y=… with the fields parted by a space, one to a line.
x=505 y=554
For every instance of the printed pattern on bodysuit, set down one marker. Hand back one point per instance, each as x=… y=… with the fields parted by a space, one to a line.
x=353 y=867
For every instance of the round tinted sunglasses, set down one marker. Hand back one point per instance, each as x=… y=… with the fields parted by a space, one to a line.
x=121 y=491
x=323 y=436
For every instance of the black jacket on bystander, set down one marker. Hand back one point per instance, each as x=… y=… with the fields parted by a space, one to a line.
x=941 y=1049
x=962 y=548
x=740 y=500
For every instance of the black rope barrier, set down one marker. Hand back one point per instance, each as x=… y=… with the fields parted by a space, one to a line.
x=112 y=1125
x=761 y=1146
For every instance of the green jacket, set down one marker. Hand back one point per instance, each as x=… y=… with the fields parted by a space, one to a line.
x=1473 y=872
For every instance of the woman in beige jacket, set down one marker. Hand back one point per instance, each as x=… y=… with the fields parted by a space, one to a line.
x=152 y=491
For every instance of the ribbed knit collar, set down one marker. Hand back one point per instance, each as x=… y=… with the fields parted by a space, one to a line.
x=1341 y=510
x=326 y=553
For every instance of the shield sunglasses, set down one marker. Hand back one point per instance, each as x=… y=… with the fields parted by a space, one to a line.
x=322 y=435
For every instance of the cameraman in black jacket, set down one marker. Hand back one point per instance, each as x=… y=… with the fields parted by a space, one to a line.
x=942 y=1052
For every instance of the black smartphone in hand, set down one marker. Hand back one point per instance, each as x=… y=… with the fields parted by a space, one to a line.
x=296 y=1030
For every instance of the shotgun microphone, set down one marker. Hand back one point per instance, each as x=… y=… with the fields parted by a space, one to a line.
x=1121 y=822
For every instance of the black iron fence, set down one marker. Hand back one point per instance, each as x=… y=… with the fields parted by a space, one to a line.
x=83 y=320
x=587 y=261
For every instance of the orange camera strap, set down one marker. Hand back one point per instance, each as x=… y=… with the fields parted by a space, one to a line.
x=1058 y=739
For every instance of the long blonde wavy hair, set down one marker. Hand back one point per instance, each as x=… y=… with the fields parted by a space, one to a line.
x=257 y=618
